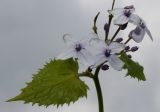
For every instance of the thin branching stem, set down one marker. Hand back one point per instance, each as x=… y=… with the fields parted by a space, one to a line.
x=127 y=40
x=86 y=74
x=95 y=22
x=113 y=4
x=109 y=22
x=114 y=36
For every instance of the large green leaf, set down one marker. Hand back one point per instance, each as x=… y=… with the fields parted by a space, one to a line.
x=134 y=69
x=57 y=83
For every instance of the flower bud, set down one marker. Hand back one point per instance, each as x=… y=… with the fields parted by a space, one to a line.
x=123 y=27
x=129 y=56
x=129 y=7
x=105 y=67
x=130 y=34
x=119 y=40
x=90 y=69
x=106 y=27
x=135 y=48
x=127 y=48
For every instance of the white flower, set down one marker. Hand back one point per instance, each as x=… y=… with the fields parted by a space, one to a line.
x=125 y=15
x=139 y=32
x=77 y=49
x=108 y=53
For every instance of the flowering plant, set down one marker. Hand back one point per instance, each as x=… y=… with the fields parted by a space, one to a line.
x=58 y=82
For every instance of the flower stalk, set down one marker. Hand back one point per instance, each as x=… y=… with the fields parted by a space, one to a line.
x=99 y=93
x=109 y=22
x=98 y=89
x=127 y=40
x=95 y=21
x=114 y=36
x=97 y=85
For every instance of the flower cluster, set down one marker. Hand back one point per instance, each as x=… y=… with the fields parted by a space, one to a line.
x=80 y=50
x=107 y=50
x=126 y=15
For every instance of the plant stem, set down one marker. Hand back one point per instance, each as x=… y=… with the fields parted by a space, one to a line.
x=95 y=21
x=113 y=4
x=98 y=89
x=86 y=75
x=109 y=21
x=109 y=24
x=115 y=34
x=99 y=94
x=127 y=40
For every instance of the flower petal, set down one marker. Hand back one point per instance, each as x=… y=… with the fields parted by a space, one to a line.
x=116 y=47
x=82 y=59
x=99 y=59
x=67 y=54
x=134 y=19
x=137 y=34
x=68 y=39
x=130 y=8
x=98 y=43
x=85 y=57
x=116 y=11
x=115 y=62
x=120 y=20
x=149 y=33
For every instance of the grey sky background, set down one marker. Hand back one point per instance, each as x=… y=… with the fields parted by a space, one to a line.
x=31 y=34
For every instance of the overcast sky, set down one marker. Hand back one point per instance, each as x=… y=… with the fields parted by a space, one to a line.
x=31 y=34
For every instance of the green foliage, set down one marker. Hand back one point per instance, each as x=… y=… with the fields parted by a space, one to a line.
x=134 y=69
x=57 y=83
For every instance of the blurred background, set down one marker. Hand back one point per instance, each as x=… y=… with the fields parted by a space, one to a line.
x=31 y=33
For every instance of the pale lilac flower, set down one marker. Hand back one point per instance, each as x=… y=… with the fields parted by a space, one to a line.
x=125 y=15
x=77 y=49
x=139 y=32
x=107 y=53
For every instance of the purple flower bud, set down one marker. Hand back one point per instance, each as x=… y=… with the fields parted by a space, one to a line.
x=123 y=27
x=107 y=52
x=129 y=56
x=106 y=27
x=135 y=48
x=105 y=67
x=130 y=34
x=89 y=69
x=127 y=48
x=119 y=40
x=129 y=7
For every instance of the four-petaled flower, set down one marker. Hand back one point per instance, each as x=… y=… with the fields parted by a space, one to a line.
x=77 y=49
x=108 y=53
x=139 y=32
x=125 y=15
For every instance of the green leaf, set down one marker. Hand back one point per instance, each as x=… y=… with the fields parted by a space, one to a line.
x=134 y=69
x=56 y=84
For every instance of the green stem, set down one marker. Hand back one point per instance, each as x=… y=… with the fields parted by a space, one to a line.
x=97 y=85
x=98 y=89
x=109 y=24
x=86 y=75
x=95 y=22
x=115 y=34
x=113 y=4
x=109 y=21
x=99 y=94
x=127 y=40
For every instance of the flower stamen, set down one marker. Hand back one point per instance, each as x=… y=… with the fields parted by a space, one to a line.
x=127 y=13
x=107 y=52
x=78 y=47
